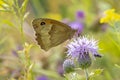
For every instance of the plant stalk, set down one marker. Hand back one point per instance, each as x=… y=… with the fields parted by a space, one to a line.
x=86 y=73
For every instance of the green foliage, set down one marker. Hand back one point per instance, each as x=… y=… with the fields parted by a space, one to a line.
x=25 y=60
x=73 y=76
x=95 y=73
x=118 y=66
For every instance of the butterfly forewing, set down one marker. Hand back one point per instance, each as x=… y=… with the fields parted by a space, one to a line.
x=59 y=34
x=50 y=33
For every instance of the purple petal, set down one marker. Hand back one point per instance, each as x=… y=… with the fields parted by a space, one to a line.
x=42 y=78
x=82 y=45
x=76 y=26
x=80 y=15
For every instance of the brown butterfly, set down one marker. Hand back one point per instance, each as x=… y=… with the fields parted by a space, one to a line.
x=51 y=33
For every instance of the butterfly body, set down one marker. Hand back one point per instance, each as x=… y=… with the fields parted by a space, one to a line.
x=50 y=33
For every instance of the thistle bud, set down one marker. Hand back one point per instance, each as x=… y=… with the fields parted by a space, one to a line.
x=84 y=61
x=68 y=65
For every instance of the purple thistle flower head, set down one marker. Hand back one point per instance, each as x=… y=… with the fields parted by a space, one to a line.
x=42 y=78
x=80 y=15
x=77 y=26
x=81 y=46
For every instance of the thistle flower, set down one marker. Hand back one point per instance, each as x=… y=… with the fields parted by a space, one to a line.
x=77 y=26
x=68 y=65
x=84 y=62
x=81 y=45
x=81 y=48
x=80 y=15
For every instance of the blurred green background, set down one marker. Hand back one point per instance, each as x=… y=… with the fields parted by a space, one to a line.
x=49 y=63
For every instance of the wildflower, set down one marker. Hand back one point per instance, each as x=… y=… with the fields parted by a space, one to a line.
x=77 y=26
x=42 y=78
x=85 y=61
x=80 y=15
x=81 y=48
x=110 y=16
x=78 y=23
x=68 y=65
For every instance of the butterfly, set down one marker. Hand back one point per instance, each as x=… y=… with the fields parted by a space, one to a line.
x=50 y=33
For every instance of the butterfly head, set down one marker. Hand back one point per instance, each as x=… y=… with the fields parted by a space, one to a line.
x=40 y=22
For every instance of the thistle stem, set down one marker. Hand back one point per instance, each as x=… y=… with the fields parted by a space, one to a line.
x=86 y=73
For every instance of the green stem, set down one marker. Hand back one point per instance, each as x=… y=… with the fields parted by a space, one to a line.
x=86 y=73
x=22 y=32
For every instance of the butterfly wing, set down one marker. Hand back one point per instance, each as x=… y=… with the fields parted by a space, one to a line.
x=41 y=32
x=59 y=33
x=50 y=33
